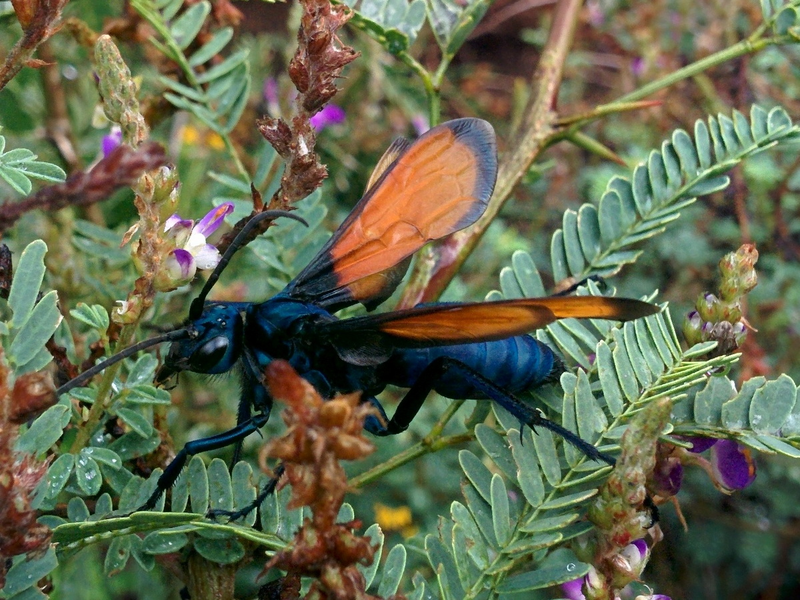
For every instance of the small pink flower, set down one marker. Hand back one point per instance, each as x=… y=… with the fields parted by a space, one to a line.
x=111 y=140
x=330 y=115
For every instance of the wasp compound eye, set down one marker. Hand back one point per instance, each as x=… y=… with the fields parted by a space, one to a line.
x=207 y=356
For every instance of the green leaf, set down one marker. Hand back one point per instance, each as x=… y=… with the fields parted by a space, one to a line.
x=496 y=447
x=561 y=566
x=212 y=47
x=547 y=455
x=735 y=413
x=772 y=405
x=117 y=555
x=443 y=565
x=537 y=524
x=103 y=456
x=569 y=500
x=183 y=90
x=94 y=316
x=28 y=278
x=375 y=535
x=477 y=473
x=87 y=475
x=500 y=510
x=226 y=66
x=477 y=549
x=219 y=485
x=28 y=572
x=77 y=511
x=45 y=431
x=45 y=171
x=58 y=473
x=136 y=421
x=482 y=514
x=17 y=179
x=244 y=490
x=164 y=542
x=186 y=27
x=224 y=552
x=197 y=478
x=708 y=402
x=36 y=330
x=528 y=474
x=393 y=570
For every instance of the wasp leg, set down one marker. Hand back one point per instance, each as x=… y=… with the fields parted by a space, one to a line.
x=409 y=406
x=226 y=438
x=266 y=491
x=243 y=415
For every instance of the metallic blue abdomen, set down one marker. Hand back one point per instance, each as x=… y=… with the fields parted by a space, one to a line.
x=516 y=364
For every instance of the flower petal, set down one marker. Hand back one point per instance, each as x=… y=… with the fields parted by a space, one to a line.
x=330 y=115
x=699 y=444
x=211 y=222
x=111 y=141
x=180 y=265
x=667 y=477
x=733 y=464
x=206 y=257
x=573 y=590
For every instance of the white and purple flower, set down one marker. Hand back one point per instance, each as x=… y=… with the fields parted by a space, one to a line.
x=191 y=250
x=111 y=140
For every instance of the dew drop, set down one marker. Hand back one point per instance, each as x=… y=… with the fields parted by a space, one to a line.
x=570 y=567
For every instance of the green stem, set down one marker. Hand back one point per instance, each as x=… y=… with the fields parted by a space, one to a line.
x=431 y=84
x=101 y=403
x=433 y=442
x=525 y=146
x=419 y=449
x=170 y=48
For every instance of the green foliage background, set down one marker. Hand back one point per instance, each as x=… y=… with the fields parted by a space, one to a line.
x=726 y=78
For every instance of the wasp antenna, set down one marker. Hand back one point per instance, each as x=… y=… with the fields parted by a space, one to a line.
x=196 y=308
x=84 y=377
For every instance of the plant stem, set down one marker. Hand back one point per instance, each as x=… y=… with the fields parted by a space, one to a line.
x=525 y=146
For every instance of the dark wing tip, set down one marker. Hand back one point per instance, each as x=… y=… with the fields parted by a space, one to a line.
x=480 y=137
x=630 y=309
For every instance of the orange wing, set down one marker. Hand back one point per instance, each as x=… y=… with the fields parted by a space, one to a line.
x=438 y=185
x=463 y=323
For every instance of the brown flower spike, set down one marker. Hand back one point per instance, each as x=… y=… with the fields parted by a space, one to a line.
x=314 y=69
x=320 y=433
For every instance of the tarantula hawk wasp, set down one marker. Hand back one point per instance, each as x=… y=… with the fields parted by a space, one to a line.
x=419 y=192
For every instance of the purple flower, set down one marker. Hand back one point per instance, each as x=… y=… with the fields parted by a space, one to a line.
x=733 y=465
x=637 y=66
x=633 y=558
x=667 y=477
x=700 y=444
x=420 y=124
x=330 y=115
x=111 y=140
x=271 y=97
x=573 y=590
x=191 y=250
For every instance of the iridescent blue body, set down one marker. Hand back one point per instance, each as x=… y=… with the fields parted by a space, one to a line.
x=419 y=192
x=258 y=333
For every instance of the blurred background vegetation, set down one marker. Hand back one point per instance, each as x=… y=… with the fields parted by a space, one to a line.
x=740 y=546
